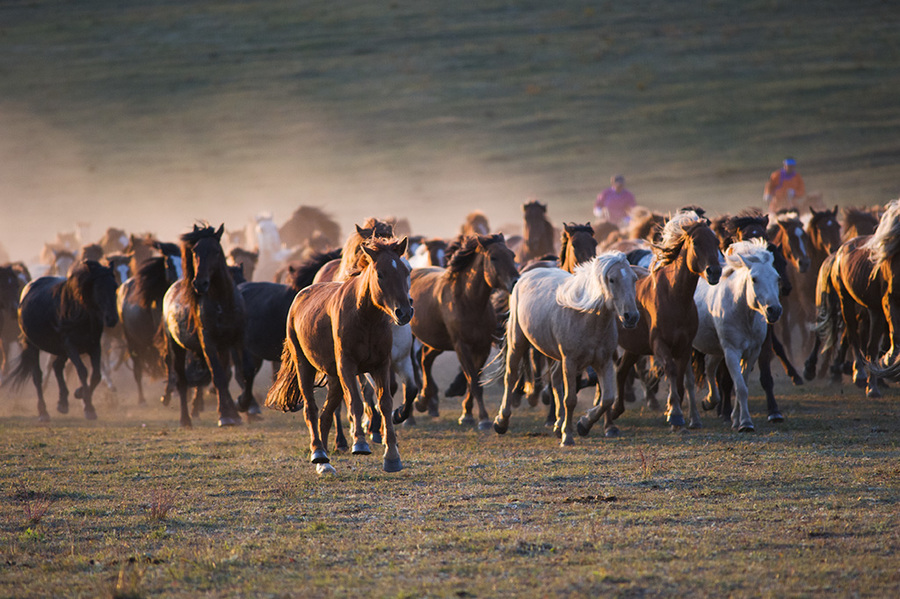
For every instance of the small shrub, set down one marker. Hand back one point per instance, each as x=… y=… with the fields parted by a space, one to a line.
x=162 y=501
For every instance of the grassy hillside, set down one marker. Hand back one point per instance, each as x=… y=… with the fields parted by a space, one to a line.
x=152 y=114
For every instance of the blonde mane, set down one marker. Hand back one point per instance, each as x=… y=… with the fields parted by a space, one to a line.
x=586 y=289
x=673 y=236
x=885 y=242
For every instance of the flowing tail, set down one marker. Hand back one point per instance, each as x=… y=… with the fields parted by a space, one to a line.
x=285 y=392
x=25 y=365
x=828 y=317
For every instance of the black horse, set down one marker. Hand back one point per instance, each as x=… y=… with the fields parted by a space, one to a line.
x=65 y=316
x=204 y=314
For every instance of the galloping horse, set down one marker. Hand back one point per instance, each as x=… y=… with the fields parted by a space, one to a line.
x=688 y=250
x=569 y=318
x=733 y=321
x=65 y=316
x=342 y=330
x=537 y=235
x=454 y=312
x=308 y=223
x=204 y=314
x=788 y=233
x=139 y=303
x=858 y=222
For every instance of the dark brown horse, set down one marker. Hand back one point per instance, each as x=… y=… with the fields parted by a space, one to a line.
x=454 y=313
x=858 y=222
x=204 y=314
x=238 y=256
x=308 y=222
x=65 y=316
x=577 y=245
x=668 y=316
x=476 y=223
x=114 y=241
x=342 y=330
x=537 y=235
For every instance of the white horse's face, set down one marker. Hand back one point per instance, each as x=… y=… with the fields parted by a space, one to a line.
x=620 y=279
x=762 y=290
x=267 y=236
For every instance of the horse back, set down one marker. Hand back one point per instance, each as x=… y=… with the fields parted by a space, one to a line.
x=39 y=319
x=267 y=308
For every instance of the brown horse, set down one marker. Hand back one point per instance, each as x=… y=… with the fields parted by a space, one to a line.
x=538 y=234
x=114 y=241
x=343 y=330
x=454 y=312
x=238 y=256
x=476 y=223
x=308 y=222
x=858 y=222
x=204 y=314
x=668 y=316
x=577 y=245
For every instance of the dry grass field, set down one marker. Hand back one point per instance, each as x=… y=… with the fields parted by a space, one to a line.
x=149 y=115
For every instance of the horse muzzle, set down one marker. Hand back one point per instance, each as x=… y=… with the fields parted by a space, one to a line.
x=773 y=313
x=402 y=316
x=200 y=287
x=803 y=264
x=630 y=319
x=713 y=273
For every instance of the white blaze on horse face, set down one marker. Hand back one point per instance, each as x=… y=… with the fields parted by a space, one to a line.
x=799 y=234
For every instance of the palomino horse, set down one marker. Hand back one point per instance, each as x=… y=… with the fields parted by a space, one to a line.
x=343 y=330
x=824 y=234
x=734 y=317
x=454 y=312
x=668 y=323
x=570 y=318
x=139 y=303
x=204 y=314
x=537 y=234
x=65 y=316
x=862 y=276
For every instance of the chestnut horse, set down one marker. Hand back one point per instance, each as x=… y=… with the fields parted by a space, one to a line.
x=668 y=322
x=343 y=330
x=537 y=236
x=454 y=312
x=204 y=314
x=65 y=316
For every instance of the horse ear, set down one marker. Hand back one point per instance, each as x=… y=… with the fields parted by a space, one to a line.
x=364 y=233
x=402 y=246
x=766 y=224
x=370 y=252
x=219 y=232
x=835 y=209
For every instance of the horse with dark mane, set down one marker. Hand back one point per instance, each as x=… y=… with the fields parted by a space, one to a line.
x=65 y=316
x=537 y=235
x=342 y=330
x=454 y=312
x=668 y=316
x=476 y=223
x=204 y=314
x=238 y=256
x=139 y=304
x=114 y=241
x=858 y=222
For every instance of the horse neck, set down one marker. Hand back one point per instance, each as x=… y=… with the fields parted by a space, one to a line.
x=681 y=280
x=360 y=287
x=469 y=285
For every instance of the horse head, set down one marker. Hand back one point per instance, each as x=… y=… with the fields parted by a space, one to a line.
x=387 y=274
x=824 y=230
x=703 y=252
x=577 y=245
x=618 y=281
x=500 y=270
x=760 y=277
x=794 y=240
x=202 y=257
x=95 y=288
x=9 y=288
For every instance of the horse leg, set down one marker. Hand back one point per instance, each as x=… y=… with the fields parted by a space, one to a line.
x=779 y=351
x=740 y=415
x=405 y=371
x=31 y=361
x=605 y=397
x=877 y=328
x=675 y=377
x=765 y=376
x=197 y=405
x=472 y=361
x=306 y=376
x=553 y=406
x=428 y=399
x=333 y=398
x=538 y=364
x=811 y=363
x=569 y=376
x=391 y=459
x=59 y=369
x=138 y=373
x=251 y=366
x=713 y=397
x=354 y=402
x=691 y=387
x=178 y=356
x=626 y=363
x=516 y=349
x=557 y=407
x=87 y=386
x=372 y=416
x=219 y=364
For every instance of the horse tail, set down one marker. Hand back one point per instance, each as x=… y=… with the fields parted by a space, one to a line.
x=24 y=367
x=285 y=392
x=698 y=363
x=828 y=320
x=494 y=370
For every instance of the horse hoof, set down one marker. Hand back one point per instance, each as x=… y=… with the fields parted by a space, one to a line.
x=582 y=428
x=376 y=438
x=500 y=427
x=675 y=420
x=341 y=448
x=485 y=425
x=319 y=457
x=410 y=421
x=187 y=424
x=230 y=421
x=325 y=469
x=62 y=408
x=392 y=465
x=695 y=425
x=254 y=409
x=420 y=405
x=567 y=441
x=747 y=428
x=397 y=416
x=361 y=448
x=467 y=420
x=165 y=399
x=776 y=417
x=708 y=405
x=90 y=413
x=873 y=393
x=557 y=430
x=79 y=393
x=45 y=417
x=797 y=380
x=611 y=432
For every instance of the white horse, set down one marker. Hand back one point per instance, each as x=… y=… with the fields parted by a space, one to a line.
x=570 y=318
x=733 y=318
x=272 y=252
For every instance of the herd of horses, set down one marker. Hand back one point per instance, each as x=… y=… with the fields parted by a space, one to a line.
x=682 y=298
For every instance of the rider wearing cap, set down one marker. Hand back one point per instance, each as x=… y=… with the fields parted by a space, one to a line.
x=615 y=202
x=784 y=188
